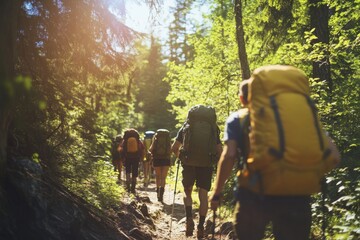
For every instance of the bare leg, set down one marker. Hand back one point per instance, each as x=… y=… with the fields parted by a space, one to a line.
x=203 y=197
x=158 y=176
x=187 y=196
x=162 y=180
x=146 y=166
x=188 y=211
x=119 y=169
x=164 y=172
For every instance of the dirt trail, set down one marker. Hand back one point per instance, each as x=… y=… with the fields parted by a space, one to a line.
x=161 y=214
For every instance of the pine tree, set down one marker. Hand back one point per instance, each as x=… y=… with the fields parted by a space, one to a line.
x=180 y=50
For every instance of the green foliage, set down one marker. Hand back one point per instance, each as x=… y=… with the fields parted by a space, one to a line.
x=78 y=56
x=149 y=74
x=179 y=48
x=35 y=158
x=82 y=79
x=20 y=87
x=212 y=77
x=342 y=203
x=99 y=188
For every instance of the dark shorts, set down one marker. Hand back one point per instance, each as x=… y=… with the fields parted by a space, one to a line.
x=132 y=166
x=201 y=175
x=161 y=162
x=290 y=216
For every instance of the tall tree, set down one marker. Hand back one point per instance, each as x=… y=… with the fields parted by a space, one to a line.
x=9 y=12
x=319 y=21
x=178 y=42
x=71 y=51
x=155 y=109
x=240 y=38
x=213 y=75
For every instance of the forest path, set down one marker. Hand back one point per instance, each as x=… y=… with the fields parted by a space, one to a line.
x=161 y=214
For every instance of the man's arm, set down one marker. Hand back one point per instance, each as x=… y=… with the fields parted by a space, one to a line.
x=225 y=166
x=176 y=147
x=219 y=149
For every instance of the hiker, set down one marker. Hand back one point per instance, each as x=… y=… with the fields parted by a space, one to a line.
x=116 y=158
x=198 y=147
x=133 y=152
x=280 y=195
x=148 y=138
x=161 y=152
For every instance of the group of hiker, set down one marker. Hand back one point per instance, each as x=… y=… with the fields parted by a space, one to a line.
x=276 y=141
x=152 y=153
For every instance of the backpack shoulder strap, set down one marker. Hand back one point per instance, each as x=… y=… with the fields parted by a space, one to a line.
x=244 y=119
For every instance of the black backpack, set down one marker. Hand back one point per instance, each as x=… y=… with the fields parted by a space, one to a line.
x=200 y=135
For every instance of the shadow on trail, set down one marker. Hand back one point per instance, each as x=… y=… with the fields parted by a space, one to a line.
x=178 y=210
x=147 y=189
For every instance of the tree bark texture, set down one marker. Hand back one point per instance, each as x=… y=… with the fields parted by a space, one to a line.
x=240 y=37
x=9 y=10
x=319 y=20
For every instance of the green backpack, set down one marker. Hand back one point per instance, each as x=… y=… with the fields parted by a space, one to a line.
x=162 y=144
x=200 y=134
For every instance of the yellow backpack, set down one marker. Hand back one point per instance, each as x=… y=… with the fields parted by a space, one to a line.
x=131 y=144
x=148 y=139
x=289 y=152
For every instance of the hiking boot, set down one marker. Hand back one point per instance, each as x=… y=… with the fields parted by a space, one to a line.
x=158 y=193
x=200 y=232
x=189 y=226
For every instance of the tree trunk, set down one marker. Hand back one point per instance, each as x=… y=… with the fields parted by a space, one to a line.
x=319 y=20
x=240 y=37
x=9 y=10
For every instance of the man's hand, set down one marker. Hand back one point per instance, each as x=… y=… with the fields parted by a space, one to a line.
x=215 y=200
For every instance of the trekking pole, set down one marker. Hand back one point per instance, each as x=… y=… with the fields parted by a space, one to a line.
x=220 y=221
x=214 y=223
x=176 y=179
x=323 y=208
